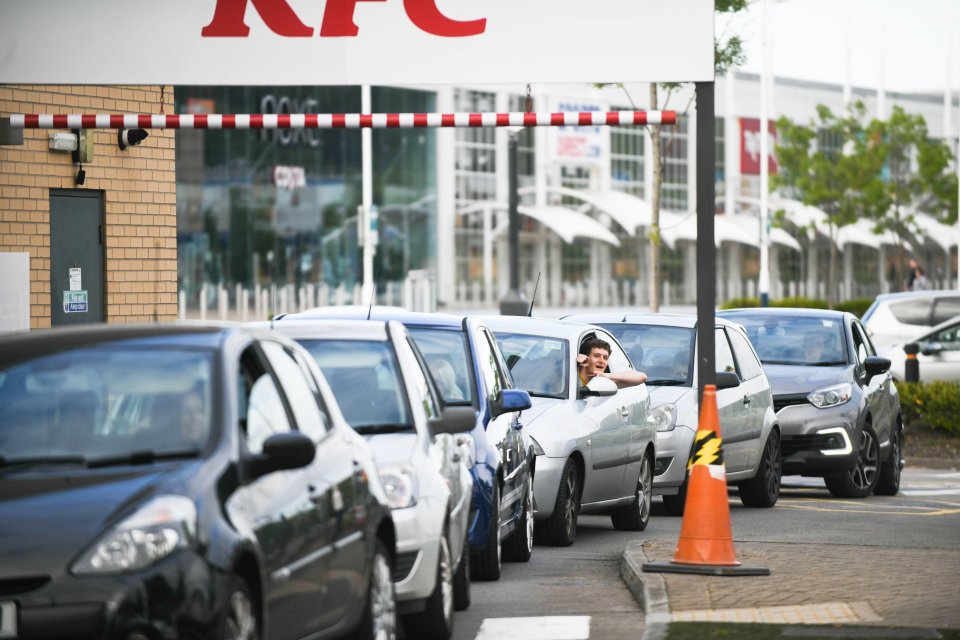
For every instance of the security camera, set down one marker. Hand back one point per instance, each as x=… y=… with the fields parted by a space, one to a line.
x=130 y=137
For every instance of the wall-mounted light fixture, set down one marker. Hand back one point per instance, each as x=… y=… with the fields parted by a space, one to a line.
x=130 y=137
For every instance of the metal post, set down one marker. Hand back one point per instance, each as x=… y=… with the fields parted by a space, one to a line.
x=911 y=368
x=513 y=303
x=706 y=249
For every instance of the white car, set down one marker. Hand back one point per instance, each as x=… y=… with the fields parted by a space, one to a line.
x=594 y=443
x=377 y=376
x=902 y=317
x=939 y=356
x=664 y=347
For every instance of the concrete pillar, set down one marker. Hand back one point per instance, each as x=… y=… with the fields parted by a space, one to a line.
x=689 y=273
x=446 y=202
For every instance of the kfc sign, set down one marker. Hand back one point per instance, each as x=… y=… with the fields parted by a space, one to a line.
x=750 y=147
x=357 y=42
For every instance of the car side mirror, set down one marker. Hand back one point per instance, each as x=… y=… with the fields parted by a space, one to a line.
x=598 y=386
x=727 y=380
x=875 y=365
x=283 y=451
x=509 y=400
x=931 y=348
x=454 y=420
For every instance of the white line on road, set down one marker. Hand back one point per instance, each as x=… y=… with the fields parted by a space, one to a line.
x=539 y=628
x=932 y=492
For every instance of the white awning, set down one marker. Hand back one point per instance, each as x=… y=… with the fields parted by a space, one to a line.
x=566 y=223
x=935 y=231
x=628 y=211
x=741 y=228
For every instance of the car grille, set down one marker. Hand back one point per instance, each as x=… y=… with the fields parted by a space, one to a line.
x=790 y=445
x=404 y=565
x=781 y=402
x=24 y=584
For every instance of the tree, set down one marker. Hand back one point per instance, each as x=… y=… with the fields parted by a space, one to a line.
x=843 y=179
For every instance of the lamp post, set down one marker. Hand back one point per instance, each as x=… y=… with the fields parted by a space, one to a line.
x=513 y=303
x=764 y=284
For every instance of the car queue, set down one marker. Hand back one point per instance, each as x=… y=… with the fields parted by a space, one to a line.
x=347 y=472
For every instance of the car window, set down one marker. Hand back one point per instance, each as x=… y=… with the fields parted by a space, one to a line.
x=265 y=413
x=944 y=309
x=365 y=378
x=860 y=348
x=540 y=365
x=300 y=395
x=665 y=354
x=487 y=363
x=310 y=373
x=949 y=338
x=749 y=365
x=865 y=339
x=795 y=340
x=445 y=352
x=102 y=401
x=913 y=311
x=424 y=393
x=618 y=360
x=724 y=356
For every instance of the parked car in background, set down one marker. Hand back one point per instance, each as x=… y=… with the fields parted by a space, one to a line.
x=939 y=356
x=902 y=317
x=184 y=482
x=836 y=403
x=594 y=443
x=470 y=372
x=664 y=347
x=381 y=383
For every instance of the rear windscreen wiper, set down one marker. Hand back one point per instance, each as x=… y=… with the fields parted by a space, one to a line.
x=35 y=461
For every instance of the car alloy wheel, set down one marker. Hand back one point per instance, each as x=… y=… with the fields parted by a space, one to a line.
x=889 y=482
x=636 y=515
x=446 y=579
x=570 y=505
x=528 y=508
x=383 y=607
x=763 y=490
x=519 y=546
x=487 y=563
x=864 y=474
x=241 y=621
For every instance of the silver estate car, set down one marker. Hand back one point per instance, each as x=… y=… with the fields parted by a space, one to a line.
x=664 y=347
x=836 y=403
x=594 y=443
x=379 y=380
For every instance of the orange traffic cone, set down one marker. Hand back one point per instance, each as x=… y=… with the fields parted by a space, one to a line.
x=706 y=538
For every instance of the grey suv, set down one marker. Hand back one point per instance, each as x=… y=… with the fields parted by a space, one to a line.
x=836 y=403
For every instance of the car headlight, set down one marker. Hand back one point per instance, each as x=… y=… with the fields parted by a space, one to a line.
x=537 y=449
x=156 y=530
x=831 y=396
x=400 y=485
x=665 y=417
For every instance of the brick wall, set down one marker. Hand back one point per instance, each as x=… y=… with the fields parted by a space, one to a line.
x=139 y=187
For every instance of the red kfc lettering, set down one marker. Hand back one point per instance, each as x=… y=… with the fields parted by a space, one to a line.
x=426 y=15
x=277 y=15
x=338 y=18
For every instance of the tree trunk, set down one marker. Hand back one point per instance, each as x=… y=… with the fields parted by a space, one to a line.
x=654 y=233
x=832 y=275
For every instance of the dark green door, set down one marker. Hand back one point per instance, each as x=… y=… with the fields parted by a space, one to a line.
x=76 y=256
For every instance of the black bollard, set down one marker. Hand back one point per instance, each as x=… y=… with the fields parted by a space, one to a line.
x=911 y=368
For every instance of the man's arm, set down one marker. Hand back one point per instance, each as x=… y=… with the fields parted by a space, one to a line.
x=629 y=378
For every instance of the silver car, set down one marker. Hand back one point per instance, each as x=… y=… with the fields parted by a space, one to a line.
x=939 y=356
x=594 y=443
x=378 y=378
x=902 y=317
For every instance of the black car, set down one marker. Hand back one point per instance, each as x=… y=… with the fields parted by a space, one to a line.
x=183 y=482
x=838 y=409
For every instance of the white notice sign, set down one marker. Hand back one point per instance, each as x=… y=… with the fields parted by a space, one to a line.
x=75 y=284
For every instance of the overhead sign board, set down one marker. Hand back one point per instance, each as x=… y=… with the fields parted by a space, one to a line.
x=352 y=42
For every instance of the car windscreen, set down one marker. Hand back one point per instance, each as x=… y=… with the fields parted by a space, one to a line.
x=95 y=404
x=365 y=378
x=445 y=351
x=796 y=340
x=665 y=354
x=540 y=365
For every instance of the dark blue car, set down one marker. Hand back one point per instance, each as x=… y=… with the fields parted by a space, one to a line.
x=469 y=370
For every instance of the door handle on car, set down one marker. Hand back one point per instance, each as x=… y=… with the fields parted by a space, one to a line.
x=746 y=400
x=624 y=412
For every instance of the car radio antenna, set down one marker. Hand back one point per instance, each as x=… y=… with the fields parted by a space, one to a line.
x=373 y=296
x=534 y=298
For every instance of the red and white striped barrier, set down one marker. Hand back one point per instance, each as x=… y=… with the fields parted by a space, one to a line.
x=339 y=120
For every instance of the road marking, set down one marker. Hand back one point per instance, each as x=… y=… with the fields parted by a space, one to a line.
x=932 y=492
x=536 y=628
x=905 y=510
x=824 y=613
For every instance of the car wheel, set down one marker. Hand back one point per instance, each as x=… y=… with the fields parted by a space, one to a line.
x=486 y=564
x=519 y=546
x=461 y=581
x=860 y=480
x=763 y=490
x=560 y=529
x=636 y=515
x=240 y=620
x=889 y=482
x=379 y=620
x=436 y=620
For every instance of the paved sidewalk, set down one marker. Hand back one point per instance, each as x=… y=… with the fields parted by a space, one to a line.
x=808 y=584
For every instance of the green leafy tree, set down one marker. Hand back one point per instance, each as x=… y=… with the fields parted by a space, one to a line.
x=843 y=179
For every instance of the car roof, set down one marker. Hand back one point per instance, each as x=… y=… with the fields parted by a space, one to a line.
x=686 y=320
x=732 y=314
x=20 y=346
x=536 y=326
x=320 y=329
x=907 y=295
x=377 y=312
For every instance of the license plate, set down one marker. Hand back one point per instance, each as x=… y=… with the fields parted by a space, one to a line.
x=8 y=620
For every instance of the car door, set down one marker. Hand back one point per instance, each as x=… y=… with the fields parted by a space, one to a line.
x=755 y=391
x=333 y=478
x=280 y=511
x=939 y=356
x=734 y=413
x=609 y=419
x=873 y=387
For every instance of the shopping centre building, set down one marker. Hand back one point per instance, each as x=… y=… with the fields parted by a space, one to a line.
x=267 y=220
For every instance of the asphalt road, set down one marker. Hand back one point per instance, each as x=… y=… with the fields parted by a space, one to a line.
x=576 y=593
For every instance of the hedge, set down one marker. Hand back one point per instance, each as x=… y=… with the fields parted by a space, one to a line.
x=933 y=405
x=857 y=307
